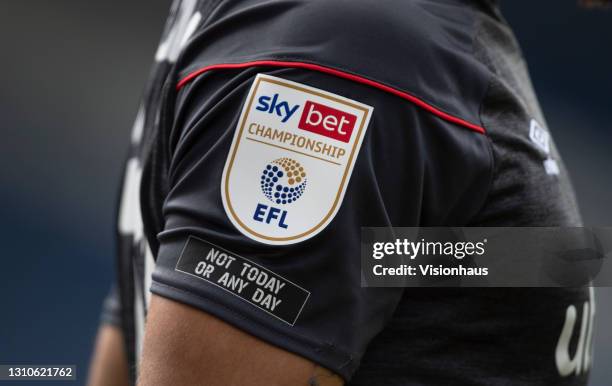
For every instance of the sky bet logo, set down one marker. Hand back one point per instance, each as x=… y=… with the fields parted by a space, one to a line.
x=271 y=105
x=316 y=117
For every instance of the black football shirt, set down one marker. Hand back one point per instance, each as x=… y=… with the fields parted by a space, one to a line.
x=270 y=132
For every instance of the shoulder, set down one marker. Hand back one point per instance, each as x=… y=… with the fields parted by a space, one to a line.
x=421 y=48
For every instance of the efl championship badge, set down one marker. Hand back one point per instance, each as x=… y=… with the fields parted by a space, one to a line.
x=291 y=159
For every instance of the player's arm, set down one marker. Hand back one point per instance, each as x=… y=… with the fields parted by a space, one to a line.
x=258 y=272
x=287 y=314
x=109 y=362
x=108 y=365
x=184 y=346
x=230 y=310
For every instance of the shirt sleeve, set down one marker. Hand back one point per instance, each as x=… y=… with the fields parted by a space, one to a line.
x=304 y=296
x=111 y=308
x=273 y=170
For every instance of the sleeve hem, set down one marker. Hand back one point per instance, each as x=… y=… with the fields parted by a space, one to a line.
x=326 y=355
x=110 y=320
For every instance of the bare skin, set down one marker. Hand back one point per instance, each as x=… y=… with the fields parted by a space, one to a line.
x=185 y=346
x=595 y=3
x=109 y=363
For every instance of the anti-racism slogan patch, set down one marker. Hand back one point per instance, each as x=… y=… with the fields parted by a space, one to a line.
x=243 y=278
x=291 y=159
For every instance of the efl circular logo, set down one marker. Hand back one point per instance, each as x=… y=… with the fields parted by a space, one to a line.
x=283 y=180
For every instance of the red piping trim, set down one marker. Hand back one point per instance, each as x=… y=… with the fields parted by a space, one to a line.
x=341 y=74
